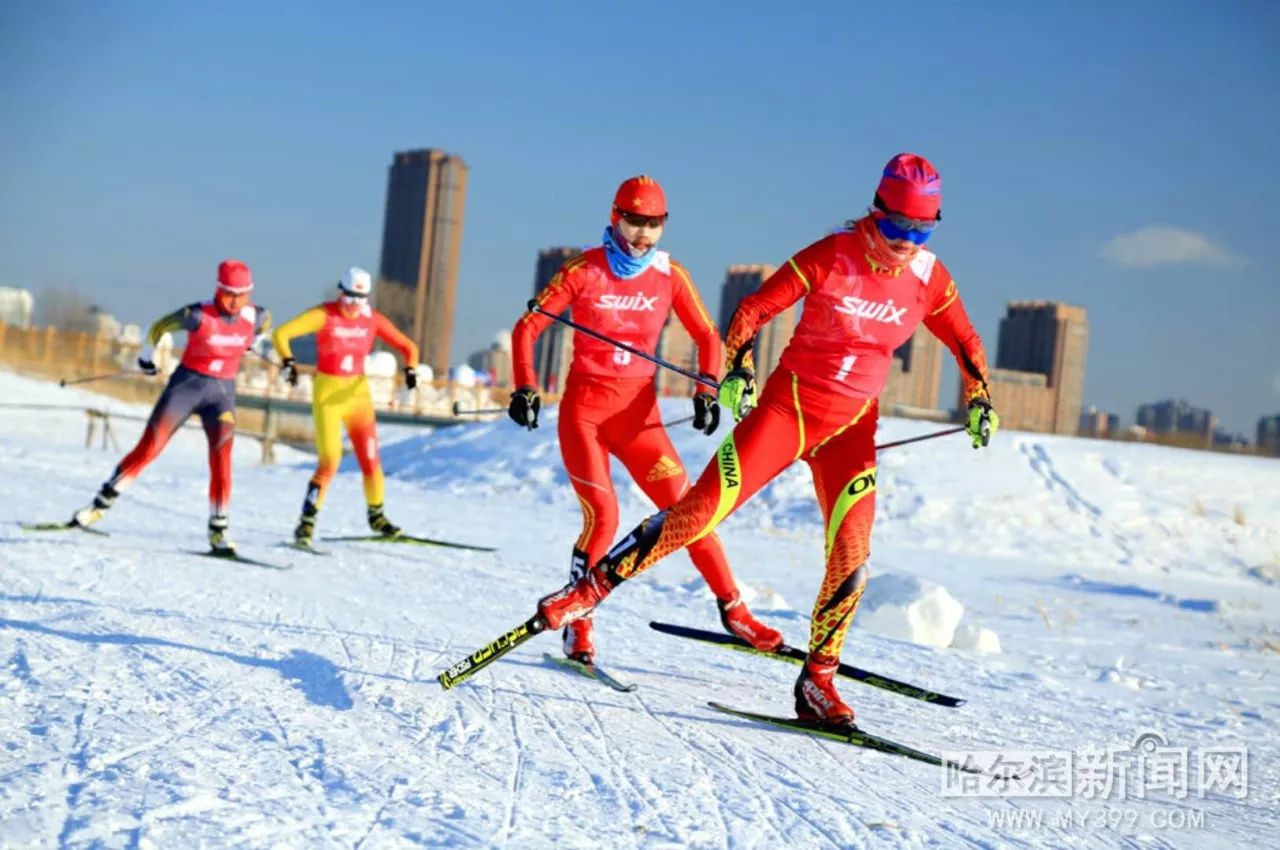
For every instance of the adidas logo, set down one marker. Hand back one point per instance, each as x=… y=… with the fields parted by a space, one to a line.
x=664 y=468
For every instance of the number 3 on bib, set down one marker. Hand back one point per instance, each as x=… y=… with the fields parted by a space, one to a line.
x=846 y=365
x=622 y=358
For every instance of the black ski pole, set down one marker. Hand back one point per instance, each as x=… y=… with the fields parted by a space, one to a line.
x=702 y=379
x=65 y=383
x=942 y=433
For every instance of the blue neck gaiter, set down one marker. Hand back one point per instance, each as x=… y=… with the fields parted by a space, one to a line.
x=621 y=263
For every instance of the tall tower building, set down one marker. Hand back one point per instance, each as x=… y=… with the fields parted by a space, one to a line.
x=1050 y=339
x=553 y=351
x=739 y=282
x=675 y=345
x=421 y=243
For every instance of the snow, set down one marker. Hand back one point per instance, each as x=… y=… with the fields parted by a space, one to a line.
x=909 y=608
x=151 y=698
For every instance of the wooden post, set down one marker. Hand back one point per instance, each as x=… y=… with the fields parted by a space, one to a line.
x=49 y=334
x=270 y=428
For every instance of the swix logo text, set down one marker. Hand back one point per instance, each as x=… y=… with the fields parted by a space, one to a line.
x=873 y=310
x=638 y=303
x=229 y=339
x=350 y=333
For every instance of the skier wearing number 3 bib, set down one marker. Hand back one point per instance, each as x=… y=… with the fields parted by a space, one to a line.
x=866 y=289
x=626 y=289
x=346 y=329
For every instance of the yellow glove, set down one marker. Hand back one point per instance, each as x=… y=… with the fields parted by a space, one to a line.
x=983 y=422
x=738 y=393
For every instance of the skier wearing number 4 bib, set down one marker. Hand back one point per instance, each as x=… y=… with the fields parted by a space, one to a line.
x=866 y=289
x=626 y=289
x=219 y=332
x=346 y=329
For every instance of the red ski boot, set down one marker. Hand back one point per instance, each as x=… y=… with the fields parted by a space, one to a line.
x=579 y=643
x=816 y=695
x=575 y=600
x=740 y=622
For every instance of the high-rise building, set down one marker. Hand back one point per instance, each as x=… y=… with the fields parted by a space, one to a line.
x=675 y=345
x=1051 y=339
x=1269 y=435
x=1177 y=416
x=771 y=340
x=494 y=362
x=1024 y=400
x=421 y=243
x=914 y=377
x=553 y=351
x=1098 y=423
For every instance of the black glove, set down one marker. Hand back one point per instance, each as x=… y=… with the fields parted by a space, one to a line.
x=289 y=372
x=524 y=407
x=146 y=365
x=706 y=411
x=410 y=377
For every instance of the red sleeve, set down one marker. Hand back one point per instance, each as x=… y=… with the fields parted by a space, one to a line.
x=947 y=320
x=554 y=299
x=796 y=279
x=693 y=314
x=390 y=334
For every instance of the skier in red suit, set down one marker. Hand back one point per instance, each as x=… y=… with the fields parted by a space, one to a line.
x=866 y=289
x=626 y=289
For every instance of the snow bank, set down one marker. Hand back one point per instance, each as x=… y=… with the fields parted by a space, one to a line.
x=909 y=608
x=976 y=639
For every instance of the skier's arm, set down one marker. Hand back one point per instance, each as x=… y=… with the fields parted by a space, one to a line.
x=391 y=335
x=947 y=320
x=307 y=322
x=183 y=319
x=693 y=314
x=801 y=274
x=557 y=295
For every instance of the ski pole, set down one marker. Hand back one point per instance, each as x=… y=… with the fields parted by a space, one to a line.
x=942 y=433
x=65 y=383
x=534 y=308
x=482 y=411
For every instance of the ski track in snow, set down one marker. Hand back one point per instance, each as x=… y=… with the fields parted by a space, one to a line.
x=150 y=698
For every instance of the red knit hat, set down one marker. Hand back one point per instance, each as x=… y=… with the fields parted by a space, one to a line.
x=234 y=277
x=640 y=195
x=910 y=186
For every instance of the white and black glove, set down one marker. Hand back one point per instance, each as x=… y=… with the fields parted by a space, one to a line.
x=289 y=371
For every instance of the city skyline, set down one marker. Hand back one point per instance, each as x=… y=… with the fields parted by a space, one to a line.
x=158 y=140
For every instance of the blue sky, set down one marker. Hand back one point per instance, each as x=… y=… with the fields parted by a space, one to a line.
x=1114 y=155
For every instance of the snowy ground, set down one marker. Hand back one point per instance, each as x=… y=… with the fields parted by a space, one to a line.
x=150 y=698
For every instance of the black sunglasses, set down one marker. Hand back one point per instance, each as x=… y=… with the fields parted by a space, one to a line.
x=638 y=220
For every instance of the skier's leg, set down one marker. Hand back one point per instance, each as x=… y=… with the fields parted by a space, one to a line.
x=844 y=478
x=760 y=447
x=654 y=464
x=586 y=463
x=327 y=408
x=361 y=424
x=176 y=403
x=218 y=417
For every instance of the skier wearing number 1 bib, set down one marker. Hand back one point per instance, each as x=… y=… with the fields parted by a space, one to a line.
x=346 y=329
x=219 y=332
x=866 y=289
x=626 y=289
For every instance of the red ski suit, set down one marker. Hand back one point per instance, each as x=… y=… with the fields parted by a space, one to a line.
x=820 y=406
x=609 y=406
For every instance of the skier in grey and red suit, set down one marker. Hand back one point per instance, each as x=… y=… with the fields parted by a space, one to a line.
x=219 y=332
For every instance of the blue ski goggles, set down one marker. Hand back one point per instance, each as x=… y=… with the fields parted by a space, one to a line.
x=914 y=230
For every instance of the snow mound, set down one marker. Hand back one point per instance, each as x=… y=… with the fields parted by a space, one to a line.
x=908 y=608
x=976 y=639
